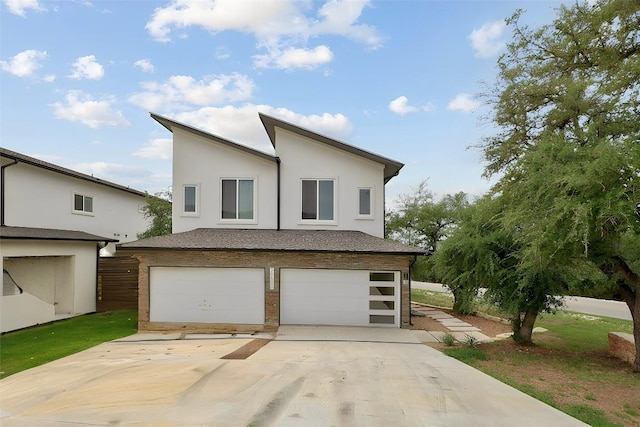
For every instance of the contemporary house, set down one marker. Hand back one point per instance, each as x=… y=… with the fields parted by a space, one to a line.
x=262 y=240
x=54 y=223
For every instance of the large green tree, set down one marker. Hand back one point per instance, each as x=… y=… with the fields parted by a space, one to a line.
x=567 y=103
x=485 y=252
x=420 y=219
x=158 y=210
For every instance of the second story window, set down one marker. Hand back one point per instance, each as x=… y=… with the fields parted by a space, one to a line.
x=82 y=203
x=364 y=202
x=317 y=199
x=190 y=193
x=237 y=199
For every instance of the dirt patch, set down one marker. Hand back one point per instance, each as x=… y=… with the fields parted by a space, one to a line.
x=248 y=349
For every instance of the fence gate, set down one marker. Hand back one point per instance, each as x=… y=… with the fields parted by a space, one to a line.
x=117 y=284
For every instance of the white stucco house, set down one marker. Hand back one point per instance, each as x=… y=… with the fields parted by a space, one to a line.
x=55 y=222
x=261 y=240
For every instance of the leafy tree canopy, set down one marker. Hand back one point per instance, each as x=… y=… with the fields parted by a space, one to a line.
x=158 y=210
x=567 y=104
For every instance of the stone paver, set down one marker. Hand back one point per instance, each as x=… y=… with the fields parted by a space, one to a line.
x=463 y=328
x=457 y=328
x=464 y=336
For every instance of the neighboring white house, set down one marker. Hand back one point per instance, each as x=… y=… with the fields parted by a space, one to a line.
x=260 y=240
x=54 y=221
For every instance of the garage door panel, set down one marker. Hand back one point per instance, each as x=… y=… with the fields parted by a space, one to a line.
x=321 y=289
x=207 y=295
x=334 y=297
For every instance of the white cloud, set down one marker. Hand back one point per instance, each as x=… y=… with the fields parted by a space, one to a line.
x=269 y=21
x=401 y=106
x=463 y=102
x=145 y=65
x=292 y=58
x=24 y=63
x=241 y=124
x=109 y=170
x=486 y=41
x=159 y=148
x=49 y=78
x=80 y=107
x=180 y=91
x=86 y=67
x=18 y=7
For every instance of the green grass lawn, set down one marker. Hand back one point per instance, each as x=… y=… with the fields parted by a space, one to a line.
x=438 y=299
x=35 y=346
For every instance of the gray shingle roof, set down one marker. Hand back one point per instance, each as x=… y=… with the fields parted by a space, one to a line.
x=22 y=158
x=275 y=240
x=30 y=233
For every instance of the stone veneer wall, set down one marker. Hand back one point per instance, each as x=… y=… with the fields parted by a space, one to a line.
x=266 y=260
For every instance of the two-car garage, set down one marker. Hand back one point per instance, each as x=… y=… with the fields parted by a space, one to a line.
x=214 y=280
x=307 y=296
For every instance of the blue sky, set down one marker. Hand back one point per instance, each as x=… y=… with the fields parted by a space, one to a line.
x=398 y=78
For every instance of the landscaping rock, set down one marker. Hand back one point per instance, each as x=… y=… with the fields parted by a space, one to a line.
x=622 y=346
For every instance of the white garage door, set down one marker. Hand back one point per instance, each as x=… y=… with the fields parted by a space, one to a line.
x=207 y=295
x=339 y=297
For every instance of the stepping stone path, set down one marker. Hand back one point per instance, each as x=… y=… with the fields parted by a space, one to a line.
x=460 y=330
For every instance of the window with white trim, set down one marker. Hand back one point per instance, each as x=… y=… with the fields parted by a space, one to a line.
x=82 y=203
x=190 y=199
x=318 y=200
x=364 y=202
x=238 y=199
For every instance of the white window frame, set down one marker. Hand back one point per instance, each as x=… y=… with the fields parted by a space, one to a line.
x=335 y=202
x=236 y=220
x=84 y=197
x=371 y=204
x=197 y=201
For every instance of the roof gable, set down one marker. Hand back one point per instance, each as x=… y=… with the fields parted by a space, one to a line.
x=391 y=167
x=171 y=124
x=22 y=158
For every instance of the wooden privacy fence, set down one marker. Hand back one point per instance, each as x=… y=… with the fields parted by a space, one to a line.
x=117 y=284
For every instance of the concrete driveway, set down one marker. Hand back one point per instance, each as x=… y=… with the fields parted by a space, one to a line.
x=307 y=376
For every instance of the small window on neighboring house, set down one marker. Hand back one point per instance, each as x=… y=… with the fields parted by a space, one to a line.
x=190 y=199
x=364 y=201
x=237 y=199
x=318 y=199
x=82 y=203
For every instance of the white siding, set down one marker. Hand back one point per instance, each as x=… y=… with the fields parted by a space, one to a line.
x=40 y=198
x=304 y=158
x=199 y=161
x=58 y=277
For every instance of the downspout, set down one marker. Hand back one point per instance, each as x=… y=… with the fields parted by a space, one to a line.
x=415 y=258
x=278 y=194
x=15 y=162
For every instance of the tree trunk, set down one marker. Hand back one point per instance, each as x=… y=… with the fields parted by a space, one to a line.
x=523 y=327
x=631 y=295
